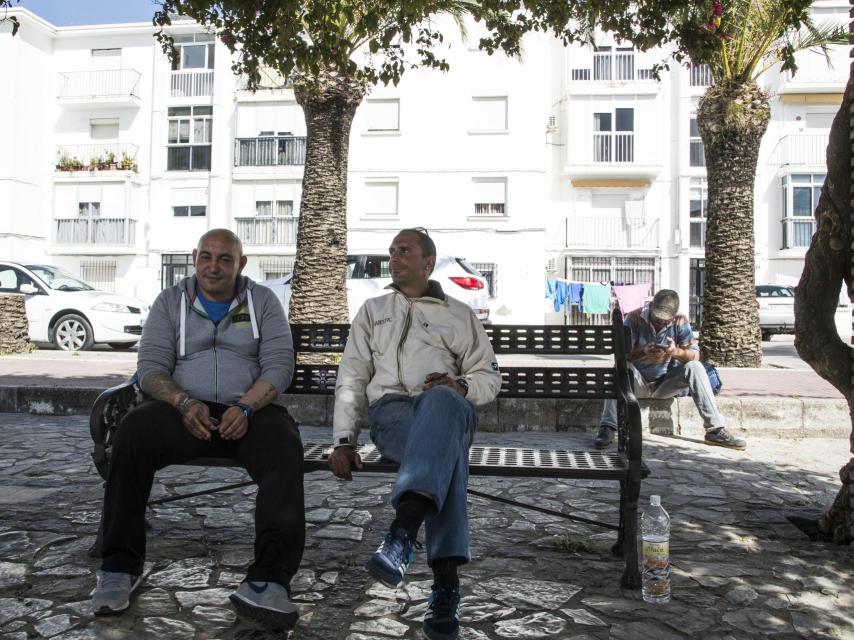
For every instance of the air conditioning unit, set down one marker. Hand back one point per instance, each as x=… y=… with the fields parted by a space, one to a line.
x=551 y=265
x=551 y=124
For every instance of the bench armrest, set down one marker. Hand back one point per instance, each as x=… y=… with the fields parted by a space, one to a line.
x=106 y=414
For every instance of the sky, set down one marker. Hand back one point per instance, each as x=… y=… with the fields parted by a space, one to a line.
x=64 y=13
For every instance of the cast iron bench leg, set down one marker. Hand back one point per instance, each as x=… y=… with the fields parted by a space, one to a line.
x=629 y=521
x=618 y=549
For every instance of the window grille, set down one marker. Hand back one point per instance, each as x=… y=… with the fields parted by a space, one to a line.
x=101 y=274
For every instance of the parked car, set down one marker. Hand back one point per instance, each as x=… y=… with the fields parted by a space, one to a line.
x=776 y=306
x=368 y=275
x=70 y=313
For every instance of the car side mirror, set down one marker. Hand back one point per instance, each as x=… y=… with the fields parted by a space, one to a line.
x=28 y=289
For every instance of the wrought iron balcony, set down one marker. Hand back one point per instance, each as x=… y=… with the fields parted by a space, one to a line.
x=269 y=151
x=109 y=86
x=278 y=230
x=95 y=231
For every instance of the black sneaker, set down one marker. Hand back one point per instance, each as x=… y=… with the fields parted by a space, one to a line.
x=723 y=438
x=605 y=436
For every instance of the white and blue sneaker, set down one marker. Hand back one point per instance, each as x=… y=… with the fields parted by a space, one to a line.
x=391 y=559
x=266 y=603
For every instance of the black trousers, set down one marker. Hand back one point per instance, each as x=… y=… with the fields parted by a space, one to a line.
x=152 y=437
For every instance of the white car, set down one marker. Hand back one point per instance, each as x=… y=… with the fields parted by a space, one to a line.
x=776 y=306
x=368 y=275
x=69 y=313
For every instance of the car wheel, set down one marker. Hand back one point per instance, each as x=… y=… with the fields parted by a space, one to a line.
x=73 y=333
x=766 y=336
x=122 y=346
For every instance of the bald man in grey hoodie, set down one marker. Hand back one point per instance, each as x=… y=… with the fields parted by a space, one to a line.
x=215 y=354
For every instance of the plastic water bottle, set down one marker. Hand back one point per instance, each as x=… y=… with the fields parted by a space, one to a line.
x=655 y=531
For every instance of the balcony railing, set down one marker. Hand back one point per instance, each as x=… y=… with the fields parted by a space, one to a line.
x=269 y=79
x=803 y=148
x=95 y=231
x=95 y=85
x=612 y=67
x=700 y=76
x=269 y=151
x=611 y=232
x=614 y=147
x=109 y=155
x=267 y=231
x=192 y=84
x=489 y=209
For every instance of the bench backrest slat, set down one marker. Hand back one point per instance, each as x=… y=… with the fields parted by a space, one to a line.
x=506 y=339
x=516 y=382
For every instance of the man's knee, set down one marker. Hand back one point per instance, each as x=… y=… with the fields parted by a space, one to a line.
x=694 y=367
x=445 y=396
x=273 y=434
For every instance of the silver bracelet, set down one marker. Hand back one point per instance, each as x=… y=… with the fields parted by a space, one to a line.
x=182 y=404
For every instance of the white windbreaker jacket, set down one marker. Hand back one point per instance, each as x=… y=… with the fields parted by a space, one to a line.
x=395 y=342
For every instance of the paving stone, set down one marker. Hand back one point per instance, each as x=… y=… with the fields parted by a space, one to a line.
x=212 y=597
x=536 y=625
x=529 y=594
x=381 y=626
x=340 y=532
x=11 y=608
x=757 y=621
x=12 y=574
x=472 y=610
x=207 y=617
x=641 y=631
x=302 y=580
x=155 y=602
x=379 y=608
x=184 y=574
x=168 y=628
x=583 y=616
x=53 y=625
x=741 y=596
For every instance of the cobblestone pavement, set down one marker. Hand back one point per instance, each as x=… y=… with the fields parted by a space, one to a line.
x=740 y=569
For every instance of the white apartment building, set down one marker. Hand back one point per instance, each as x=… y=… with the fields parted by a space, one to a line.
x=571 y=163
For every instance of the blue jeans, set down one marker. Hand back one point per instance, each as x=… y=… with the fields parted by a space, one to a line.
x=429 y=435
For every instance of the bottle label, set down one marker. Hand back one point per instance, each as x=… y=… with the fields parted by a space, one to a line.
x=656 y=550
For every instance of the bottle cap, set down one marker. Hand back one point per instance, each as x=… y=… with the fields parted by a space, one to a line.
x=655 y=501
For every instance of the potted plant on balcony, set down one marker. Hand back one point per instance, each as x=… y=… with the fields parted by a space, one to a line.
x=127 y=162
x=110 y=160
x=95 y=162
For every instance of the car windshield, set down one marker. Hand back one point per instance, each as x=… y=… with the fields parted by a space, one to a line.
x=468 y=268
x=58 y=279
x=773 y=291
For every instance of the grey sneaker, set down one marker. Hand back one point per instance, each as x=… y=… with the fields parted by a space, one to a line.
x=723 y=438
x=266 y=603
x=112 y=592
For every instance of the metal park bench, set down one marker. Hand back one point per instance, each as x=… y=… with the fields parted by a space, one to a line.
x=623 y=465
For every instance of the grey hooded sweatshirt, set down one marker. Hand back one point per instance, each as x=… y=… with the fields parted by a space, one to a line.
x=218 y=363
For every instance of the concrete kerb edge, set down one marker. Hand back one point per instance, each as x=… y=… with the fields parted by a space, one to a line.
x=759 y=416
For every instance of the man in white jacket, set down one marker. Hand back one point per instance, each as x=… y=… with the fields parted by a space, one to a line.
x=421 y=361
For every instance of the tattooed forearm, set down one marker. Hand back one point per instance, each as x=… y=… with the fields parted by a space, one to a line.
x=260 y=395
x=161 y=386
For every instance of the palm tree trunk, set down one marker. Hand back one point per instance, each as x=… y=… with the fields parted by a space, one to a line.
x=826 y=266
x=732 y=117
x=319 y=293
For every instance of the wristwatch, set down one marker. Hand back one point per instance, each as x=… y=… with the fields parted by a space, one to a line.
x=464 y=384
x=245 y=408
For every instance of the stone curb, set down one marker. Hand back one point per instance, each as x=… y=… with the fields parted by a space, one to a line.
x=780 y=417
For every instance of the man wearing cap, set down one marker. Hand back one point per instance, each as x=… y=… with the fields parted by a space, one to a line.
x=659 y=335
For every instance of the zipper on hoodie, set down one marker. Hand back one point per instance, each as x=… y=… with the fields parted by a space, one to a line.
x=407 y=322
x=216 y=367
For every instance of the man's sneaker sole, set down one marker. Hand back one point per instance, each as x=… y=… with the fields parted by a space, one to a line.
x=108 y=611
x=737 y=447
x=377 y=572
x=268 y=617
